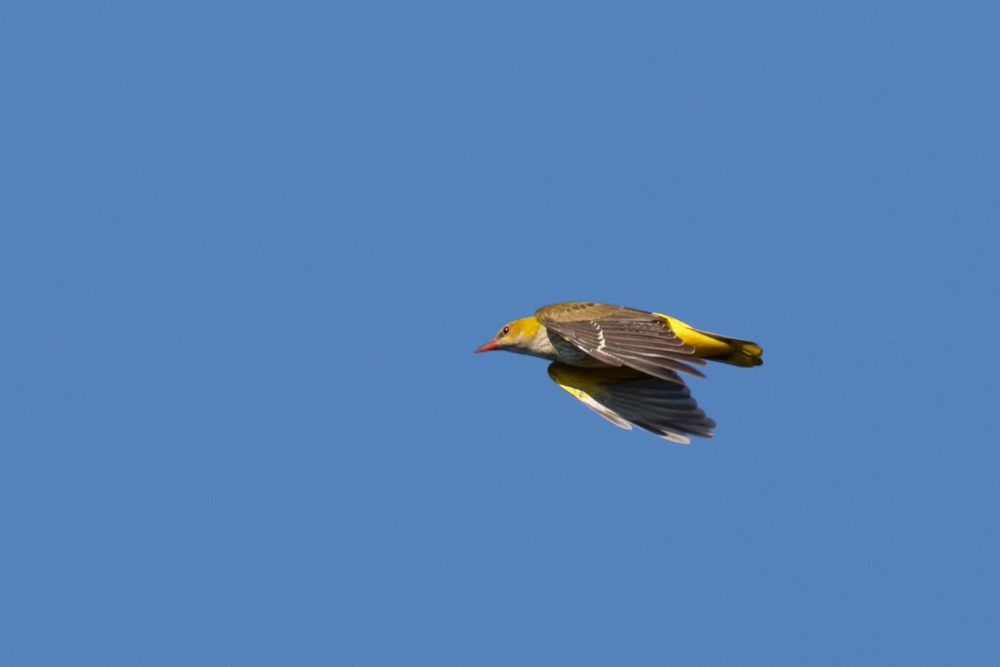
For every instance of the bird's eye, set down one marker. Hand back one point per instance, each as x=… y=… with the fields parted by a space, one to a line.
x=505 y=331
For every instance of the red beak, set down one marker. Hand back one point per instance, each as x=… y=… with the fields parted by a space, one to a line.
x=486 y=347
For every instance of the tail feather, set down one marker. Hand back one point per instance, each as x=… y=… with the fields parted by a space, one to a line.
x=740 y=352
x=716 y=347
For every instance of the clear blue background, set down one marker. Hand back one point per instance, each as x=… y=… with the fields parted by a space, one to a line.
x=248 y=248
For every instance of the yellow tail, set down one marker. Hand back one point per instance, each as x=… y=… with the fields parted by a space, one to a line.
x=716 y=347
x=740 y=353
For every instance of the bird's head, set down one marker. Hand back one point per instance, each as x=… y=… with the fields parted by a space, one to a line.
x=515 y=336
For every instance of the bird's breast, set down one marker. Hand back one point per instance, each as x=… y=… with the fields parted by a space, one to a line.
x=554 y=347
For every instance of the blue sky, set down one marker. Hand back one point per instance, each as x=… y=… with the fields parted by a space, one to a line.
x=248 y=248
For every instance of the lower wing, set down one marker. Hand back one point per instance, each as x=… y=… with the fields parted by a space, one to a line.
x=627 y=398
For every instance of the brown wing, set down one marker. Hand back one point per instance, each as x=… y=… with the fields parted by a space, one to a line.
x=626 y=397
x=620 y=336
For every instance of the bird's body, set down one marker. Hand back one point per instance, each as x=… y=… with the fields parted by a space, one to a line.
x=623 y=363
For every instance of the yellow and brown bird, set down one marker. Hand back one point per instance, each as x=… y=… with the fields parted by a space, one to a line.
x=623 y=363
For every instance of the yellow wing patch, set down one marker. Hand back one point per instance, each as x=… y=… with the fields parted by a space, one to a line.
x=587 y=400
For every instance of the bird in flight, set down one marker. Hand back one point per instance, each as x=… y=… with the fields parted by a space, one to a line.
x=623 y=363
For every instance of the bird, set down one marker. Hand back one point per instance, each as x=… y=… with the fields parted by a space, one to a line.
x=625 y=363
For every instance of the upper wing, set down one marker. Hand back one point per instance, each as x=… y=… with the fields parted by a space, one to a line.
x=625 y=397
x=620 y=336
